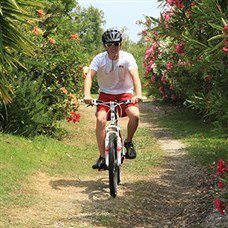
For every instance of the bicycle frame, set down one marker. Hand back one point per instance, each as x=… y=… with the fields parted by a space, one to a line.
x=114 y=148
x=113 y=128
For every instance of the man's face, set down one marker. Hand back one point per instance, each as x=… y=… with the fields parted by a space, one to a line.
x=113 y=48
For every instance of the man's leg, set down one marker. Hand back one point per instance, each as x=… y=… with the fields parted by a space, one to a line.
x=100 y=133
x=133 y=114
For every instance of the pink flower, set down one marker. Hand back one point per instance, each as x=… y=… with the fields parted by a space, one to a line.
x=154 y=46
x=167 y=15
x=169 y=65
x=220 y=206
x=153 y=78
x=155 y=33
x=148 y=52
x=180 y=48
x=171 y=2
x=193 y=4
x=225 y=49
x=220 y=184
x=147 y=38
x=163 y=79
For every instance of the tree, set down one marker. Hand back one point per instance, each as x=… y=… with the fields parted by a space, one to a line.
x=12 y=14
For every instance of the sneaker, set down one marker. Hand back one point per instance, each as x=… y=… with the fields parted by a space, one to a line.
x=100 y=163
x=131 y=153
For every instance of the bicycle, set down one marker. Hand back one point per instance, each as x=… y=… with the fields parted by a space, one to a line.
x=114 y=144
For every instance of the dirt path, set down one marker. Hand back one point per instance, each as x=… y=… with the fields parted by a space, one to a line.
x=168 y=197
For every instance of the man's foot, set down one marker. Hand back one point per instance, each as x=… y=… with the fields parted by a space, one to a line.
x=100 y=163
x=131 y=153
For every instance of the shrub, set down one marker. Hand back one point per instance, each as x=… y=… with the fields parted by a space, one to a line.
x=27 y=114
x=187 y=54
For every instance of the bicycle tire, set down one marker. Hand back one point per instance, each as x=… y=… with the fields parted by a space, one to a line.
x=113 y=168
x=118 y=175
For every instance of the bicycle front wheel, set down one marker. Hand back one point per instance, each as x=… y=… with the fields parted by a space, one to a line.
x=113 y=167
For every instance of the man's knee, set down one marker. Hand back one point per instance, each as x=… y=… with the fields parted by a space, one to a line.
x=133 y=113
x=101 y=118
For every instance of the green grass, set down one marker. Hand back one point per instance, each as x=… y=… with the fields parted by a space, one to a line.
x=205 y=143
x=20 y=158
x=149 y=153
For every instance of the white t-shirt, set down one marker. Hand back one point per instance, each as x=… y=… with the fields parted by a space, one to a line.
x=113 y=75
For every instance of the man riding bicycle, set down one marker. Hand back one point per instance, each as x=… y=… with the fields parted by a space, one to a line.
x=117 y=76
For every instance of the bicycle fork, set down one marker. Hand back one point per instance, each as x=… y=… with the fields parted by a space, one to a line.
x=119 y=145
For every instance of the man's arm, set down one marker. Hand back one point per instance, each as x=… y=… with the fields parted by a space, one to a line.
x=88 y=85
x=137 y=85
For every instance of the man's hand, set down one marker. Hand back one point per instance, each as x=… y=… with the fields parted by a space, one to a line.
x=136 y=99
x=88 y=100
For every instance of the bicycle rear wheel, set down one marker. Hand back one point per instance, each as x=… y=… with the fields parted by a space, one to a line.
x=113 y=168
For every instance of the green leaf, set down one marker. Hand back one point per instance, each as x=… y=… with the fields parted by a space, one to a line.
x=216 y=47
x=221 y=36
x=194 y=41
x=218 y=27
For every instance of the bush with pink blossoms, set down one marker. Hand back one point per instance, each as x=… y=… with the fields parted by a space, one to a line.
x=187 y=50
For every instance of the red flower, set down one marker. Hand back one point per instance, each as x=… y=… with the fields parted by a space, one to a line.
x=74 y=117
x=51 y=40
x=207 y=78
x=226 y=29
x=220 y=206
x=220 y=184
x=40 y=13
x=193 y=4
x=36 y=30
x=75 y=37
x=221 y=168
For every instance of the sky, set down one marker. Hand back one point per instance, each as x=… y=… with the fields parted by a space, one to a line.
x=125 y=13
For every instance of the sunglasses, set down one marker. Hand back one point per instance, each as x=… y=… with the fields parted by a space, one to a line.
x=112 y=44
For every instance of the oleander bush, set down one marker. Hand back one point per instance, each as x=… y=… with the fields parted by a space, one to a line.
x=63 y=35
x=186 y=56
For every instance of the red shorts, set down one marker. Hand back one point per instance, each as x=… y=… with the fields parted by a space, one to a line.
x=115 y=97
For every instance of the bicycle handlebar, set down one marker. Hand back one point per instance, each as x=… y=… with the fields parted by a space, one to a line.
x=98 y=102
